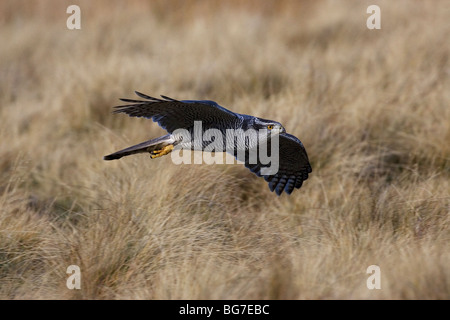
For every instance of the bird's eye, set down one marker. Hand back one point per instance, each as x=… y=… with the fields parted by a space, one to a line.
x=270 y=127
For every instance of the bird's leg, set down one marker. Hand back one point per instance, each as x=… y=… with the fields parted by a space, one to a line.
x=161 y=152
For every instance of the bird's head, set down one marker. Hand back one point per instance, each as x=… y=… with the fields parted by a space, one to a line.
x=270 y=125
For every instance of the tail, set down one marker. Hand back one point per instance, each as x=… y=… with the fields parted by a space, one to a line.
x=154 y=146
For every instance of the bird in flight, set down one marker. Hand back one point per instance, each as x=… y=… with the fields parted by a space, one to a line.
x=173 y=115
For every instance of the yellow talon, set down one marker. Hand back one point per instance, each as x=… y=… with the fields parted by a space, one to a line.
x=162 y=152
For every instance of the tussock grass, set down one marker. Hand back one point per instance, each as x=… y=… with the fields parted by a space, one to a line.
x=371 y=107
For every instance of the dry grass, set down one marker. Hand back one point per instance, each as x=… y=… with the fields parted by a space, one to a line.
x=372 y=108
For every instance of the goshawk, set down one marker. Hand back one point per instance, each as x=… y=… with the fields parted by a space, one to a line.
x=172 y=115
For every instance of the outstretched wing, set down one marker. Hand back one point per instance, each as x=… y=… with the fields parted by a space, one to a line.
x=172 y=114
x=293 y=169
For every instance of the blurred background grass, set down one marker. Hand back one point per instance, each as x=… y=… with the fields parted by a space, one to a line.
x=371 y=107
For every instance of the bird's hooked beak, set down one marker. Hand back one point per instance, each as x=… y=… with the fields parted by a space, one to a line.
x=282 y=130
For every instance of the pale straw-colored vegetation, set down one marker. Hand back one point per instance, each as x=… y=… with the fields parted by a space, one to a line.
x=372 y=108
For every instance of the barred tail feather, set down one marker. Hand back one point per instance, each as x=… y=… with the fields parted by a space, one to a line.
x=147 y=146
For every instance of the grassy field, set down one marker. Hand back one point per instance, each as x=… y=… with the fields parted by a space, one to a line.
x=372 y=108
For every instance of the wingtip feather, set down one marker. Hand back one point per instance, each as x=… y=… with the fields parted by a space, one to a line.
x=144 y=96
x=168 y=98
